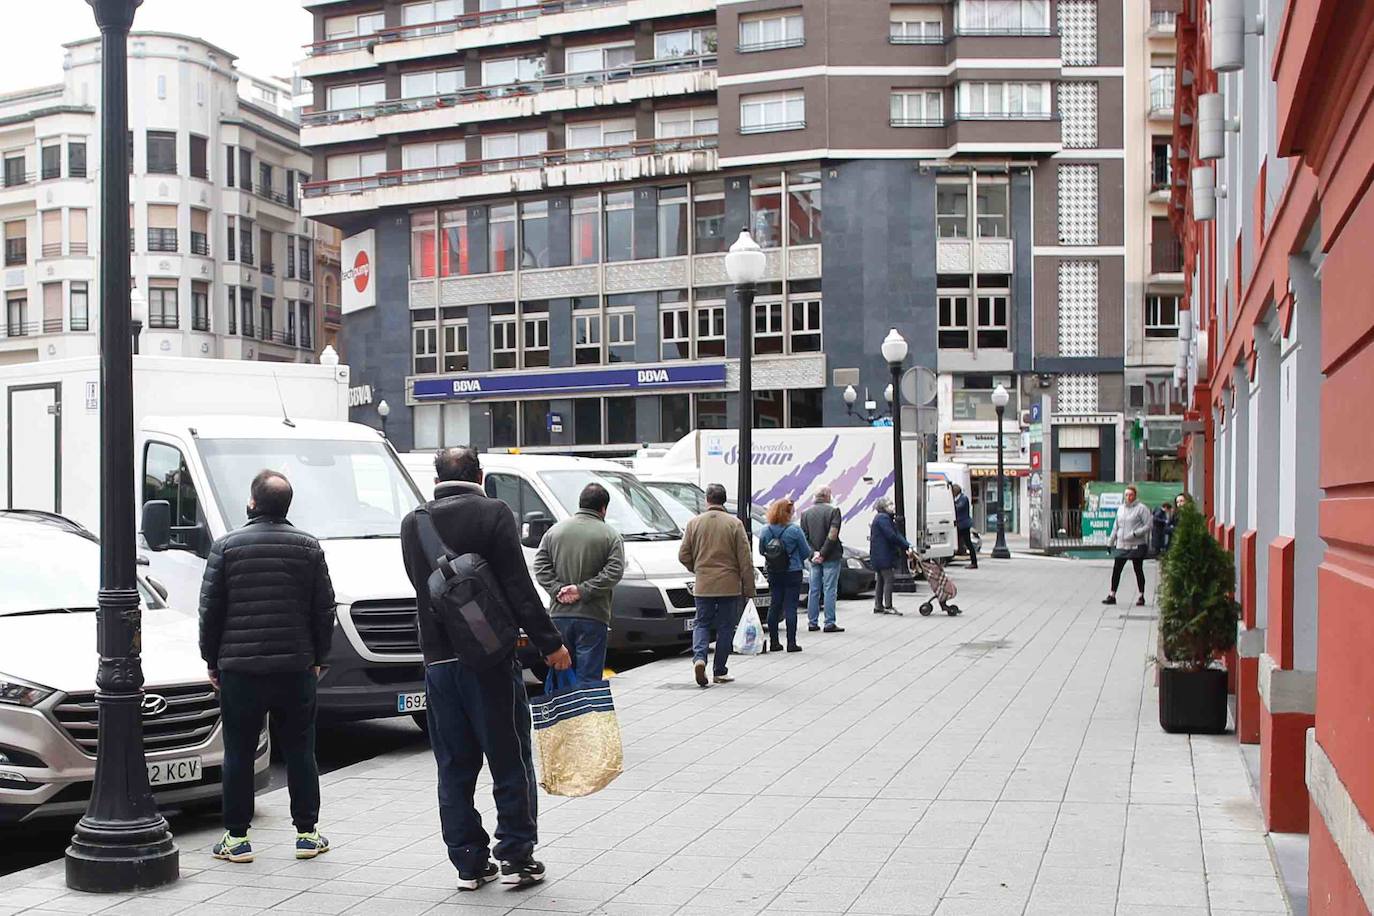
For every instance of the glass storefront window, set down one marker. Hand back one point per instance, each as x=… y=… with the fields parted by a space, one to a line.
x=587 y=421
x=534 y=423
x=455 y=251
x=503 y=420
x=709 y=217
x=675 y=416
x=672 y=222
x=422 y=263
x=769 y=409
x=620 y=226
x=765 y=210
x=501 y=236
x=534 y=234
x=951 y=208
x=803 y=208
x=586 y=231
x=804 y=407
x=711 y=410
x=621 y=420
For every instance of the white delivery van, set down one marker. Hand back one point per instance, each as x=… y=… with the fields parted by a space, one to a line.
x=653 y=606
x=193 y=466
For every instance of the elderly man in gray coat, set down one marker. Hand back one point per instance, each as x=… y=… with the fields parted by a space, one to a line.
x=1130 y=540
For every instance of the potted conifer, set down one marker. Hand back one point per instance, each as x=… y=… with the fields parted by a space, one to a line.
x=1198 y=615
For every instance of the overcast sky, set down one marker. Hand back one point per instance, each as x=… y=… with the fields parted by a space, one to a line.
x=266 y=35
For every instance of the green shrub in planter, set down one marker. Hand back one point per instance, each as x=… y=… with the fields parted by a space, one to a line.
x=1198 y=616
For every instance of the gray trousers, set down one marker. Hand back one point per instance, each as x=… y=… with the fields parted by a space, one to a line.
x=882 y=588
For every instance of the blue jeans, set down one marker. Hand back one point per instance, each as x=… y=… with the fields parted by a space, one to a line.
x=784 y=591
x=474 y=714
x=586 y=640
x=722 y=615
x=825 y=583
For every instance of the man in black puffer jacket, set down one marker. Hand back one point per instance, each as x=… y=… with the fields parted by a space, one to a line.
x=266 y=620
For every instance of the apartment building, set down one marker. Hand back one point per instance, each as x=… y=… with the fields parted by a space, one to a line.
x=1154 y=260
x=1272 y=145
x=536 y=200
x=218 y=245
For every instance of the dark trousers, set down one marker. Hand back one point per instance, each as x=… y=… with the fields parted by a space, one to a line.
x=475 y=714
x=966 y=544
x=586 y=641
x=784 y=591
x=1119 y=564
x=721 y=615
x=244 y=701
x=882 y=588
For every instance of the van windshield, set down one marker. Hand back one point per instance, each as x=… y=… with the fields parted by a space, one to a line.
x=633 y=511
x=342 y=489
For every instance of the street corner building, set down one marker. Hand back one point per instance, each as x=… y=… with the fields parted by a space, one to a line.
x=536 y=201
x=1272 y=156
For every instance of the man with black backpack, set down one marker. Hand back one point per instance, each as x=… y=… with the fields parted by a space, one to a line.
x=473 y=594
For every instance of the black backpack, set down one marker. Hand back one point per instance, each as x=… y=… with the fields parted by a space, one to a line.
x=775 y=554
x=468 y=601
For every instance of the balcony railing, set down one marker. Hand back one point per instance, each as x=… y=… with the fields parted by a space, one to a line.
x=917 y=39
x=916 y=122
x=162 y=240
x=80 y=323
x=768 y=128
x=1163 y=20
x=1005 y=116
x=778 y=45
x=52 y=249
x=16 y=252
x=269 y=268
x=200 y=322
x=1042 y=31
x=77 y=248
x=200 y=244
x=491 y=166
x=15 y=179
x=1161 y=100
x=266 y=193
x=507 y=90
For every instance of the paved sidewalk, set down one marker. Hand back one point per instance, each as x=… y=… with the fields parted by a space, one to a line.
x=1008 y=761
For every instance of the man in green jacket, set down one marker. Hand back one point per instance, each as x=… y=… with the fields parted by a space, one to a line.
x=579 y=562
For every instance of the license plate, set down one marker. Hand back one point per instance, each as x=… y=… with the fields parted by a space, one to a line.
x=689 y=624
x=411 y=702
x=168 y=772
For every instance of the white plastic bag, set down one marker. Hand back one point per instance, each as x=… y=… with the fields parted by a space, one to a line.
x=749 y=633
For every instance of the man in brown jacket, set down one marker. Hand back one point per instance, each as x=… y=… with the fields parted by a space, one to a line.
x=716 y=549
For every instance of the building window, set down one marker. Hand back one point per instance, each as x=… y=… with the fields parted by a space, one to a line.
x=501 y=237
x=232 y=311
x=456 y=347
x=672 y=222
x=806 y=325
x=916 y=25
x=426 y=349
x=421 y=246
x=534 y=234
x=684 y=43
x=676 y=331
x=620 y=226
x=162 y=228
x=674 y=417
x=596 y=134
x=162 y=152
x=620 y=332
x=228 y=166
x=512 y=70
x=16 y=243
x=1161 y=170
x=992 y=319
x=771 y=30
x=264 y=179
x=992 y=199
x=246 y=306
x=200 y=157
x=420 y=156
x=954 y=324
x=51 y=162
x=804 y=408
x=307 y=274
x=600 y=58
x=708 y=216
x=1004 y=17
x=586 y=229
x=353 y=25
x=803 y=207
x=265 y=240
x=768 y=329
x=686 y=122
x=917 y=108
x=951 y=208
x=246 y=169
x=51 y=232
x=77 y=232
x=504 y=344
x=1161 y=316
x=765 y=209
x=1004 y=101
x=17 y=314
x=587 y=421
x=430 y=83
x=76 y=159
x=52 y=308
x=622 y=425
x=162 y=305
x=536 y=352
x=14 y=170
x=307 y=317
x=710 y=331
x=455 y=245
x=231 y=239
x=1166 y=253
x=428 y=12
x=348 y=166
x=200 y=305
x=200 y=232
x=1161 y=88
x=355 y=96
x=79 y=306
x=266 y=325
x=710 y=410
x=246 y=241
x=769 y=409
x=770 y=111
x=290 y=258
x=587 y=332
x=503 y=423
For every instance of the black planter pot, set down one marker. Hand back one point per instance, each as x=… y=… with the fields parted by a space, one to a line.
x=1192 y=702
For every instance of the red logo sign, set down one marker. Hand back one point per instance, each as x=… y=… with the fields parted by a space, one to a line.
x=360 y=273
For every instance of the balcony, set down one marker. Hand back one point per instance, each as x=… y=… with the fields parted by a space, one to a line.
x=269 y=268
x=555 y=168
x=1163 y=22
x=164 y=240
x=561 y=92
x=200 y=244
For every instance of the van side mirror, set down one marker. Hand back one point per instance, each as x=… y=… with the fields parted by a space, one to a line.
x=157 y=524
x=536 y=525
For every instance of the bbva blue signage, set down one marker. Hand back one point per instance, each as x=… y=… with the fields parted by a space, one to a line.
x=573 y=381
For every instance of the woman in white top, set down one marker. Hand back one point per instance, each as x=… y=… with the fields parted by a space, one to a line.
x=1130 y=540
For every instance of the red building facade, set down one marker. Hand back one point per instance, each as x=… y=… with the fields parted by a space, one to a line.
x=1274 y=149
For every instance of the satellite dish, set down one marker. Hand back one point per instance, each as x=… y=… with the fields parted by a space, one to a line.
x=919 y=386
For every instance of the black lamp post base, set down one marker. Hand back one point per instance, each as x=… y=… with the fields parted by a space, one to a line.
x=1000 y=552
x=903 y=583
x=102 y=860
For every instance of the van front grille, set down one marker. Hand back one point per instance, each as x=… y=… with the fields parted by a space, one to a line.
x=387 y=627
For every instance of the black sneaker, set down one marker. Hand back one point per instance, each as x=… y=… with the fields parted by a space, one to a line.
x=1110 y=599
x=522 y=873
x=813 y=627
x=832 y=628
x=794 y=648
x=471 y=882
x=1140 y=602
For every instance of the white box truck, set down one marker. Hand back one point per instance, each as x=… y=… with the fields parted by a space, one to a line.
x=217 y=424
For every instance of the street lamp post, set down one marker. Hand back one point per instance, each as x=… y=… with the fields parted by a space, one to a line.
x=122 y=843
x=1000 y=397
x=744 y=265
x=870 y=413
x=138 y=313
x=383 y=411
x=894 y=350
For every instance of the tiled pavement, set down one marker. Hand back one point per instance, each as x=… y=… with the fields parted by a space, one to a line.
x=1008 y=761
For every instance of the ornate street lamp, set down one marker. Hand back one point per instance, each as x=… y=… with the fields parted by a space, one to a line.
x=383 y=411
x=744 y=265
x=1000 y=397
x=138 y=314
x=122 y=843
x=894 y=350
x=870 y=413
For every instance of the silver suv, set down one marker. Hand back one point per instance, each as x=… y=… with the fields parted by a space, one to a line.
x=49 y=577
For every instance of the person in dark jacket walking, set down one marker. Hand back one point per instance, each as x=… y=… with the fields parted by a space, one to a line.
x=887 y=547
x=266 y=621
x=475 y=713
x=963 y=521
x=784 y=586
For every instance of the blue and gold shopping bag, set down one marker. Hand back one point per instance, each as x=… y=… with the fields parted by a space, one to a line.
x=577 y=735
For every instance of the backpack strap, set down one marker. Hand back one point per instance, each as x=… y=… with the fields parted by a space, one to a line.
x=436 y=551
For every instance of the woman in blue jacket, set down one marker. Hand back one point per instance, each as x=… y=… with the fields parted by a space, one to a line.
x=886 y=548
x=784 y=584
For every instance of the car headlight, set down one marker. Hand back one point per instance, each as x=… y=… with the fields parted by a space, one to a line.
x=18 y=692
x=854 y=563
